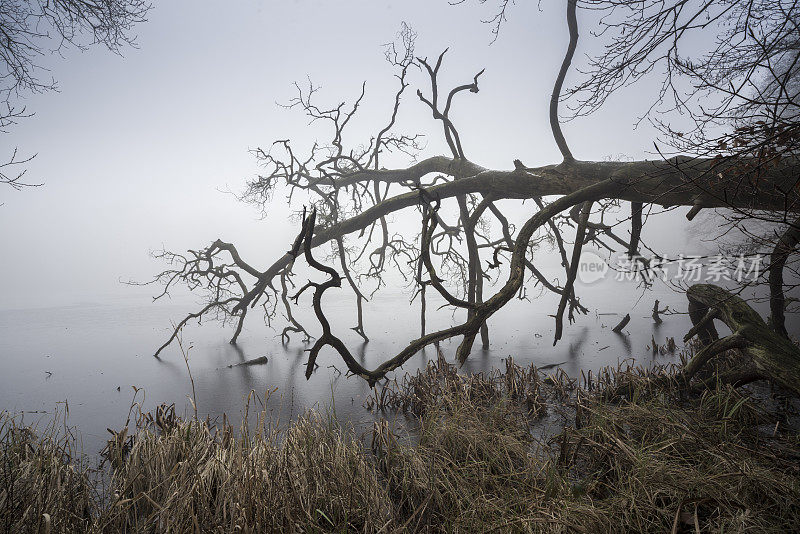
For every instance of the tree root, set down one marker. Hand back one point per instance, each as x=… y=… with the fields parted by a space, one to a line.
x=768 y=354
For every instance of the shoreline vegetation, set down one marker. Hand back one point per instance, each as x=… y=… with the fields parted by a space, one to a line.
x=515 y=450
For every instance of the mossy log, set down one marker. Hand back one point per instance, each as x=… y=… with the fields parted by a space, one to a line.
x=773 y=356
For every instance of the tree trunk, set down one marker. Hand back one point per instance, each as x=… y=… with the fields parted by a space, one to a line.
x=773 y=356
x=679 y=181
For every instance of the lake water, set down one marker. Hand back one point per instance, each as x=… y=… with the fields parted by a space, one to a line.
x=91 y=355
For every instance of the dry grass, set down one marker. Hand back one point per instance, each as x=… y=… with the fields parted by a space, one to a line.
x=644 y=459
x=190 y=477
x=439 y=385
x=44 y=480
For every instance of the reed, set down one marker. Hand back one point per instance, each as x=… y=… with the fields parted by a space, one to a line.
x=626 y=456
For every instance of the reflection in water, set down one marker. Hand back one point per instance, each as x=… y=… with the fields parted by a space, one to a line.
x=361 y=353
x=240 y=352
x=575 y=346
x=626 y=343
x=657 y=329
x=91 y=351
x=169 y=365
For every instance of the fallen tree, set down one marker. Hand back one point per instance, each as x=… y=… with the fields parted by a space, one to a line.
x=766 y=353
x=752 y=172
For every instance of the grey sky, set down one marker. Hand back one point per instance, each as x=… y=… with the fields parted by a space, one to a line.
x=134 y=151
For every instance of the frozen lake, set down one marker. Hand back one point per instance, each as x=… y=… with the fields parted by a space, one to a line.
x=91 y=355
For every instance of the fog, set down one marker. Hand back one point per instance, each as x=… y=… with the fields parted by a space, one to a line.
x=143 y=151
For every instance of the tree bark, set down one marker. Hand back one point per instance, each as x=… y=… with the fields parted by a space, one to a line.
x=773 y=356
x=679 y=181
x=777 y=300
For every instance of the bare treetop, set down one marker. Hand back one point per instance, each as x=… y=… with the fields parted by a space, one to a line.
x=349 y=196
x=30 y=30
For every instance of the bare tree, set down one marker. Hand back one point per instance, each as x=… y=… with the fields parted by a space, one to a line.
x=351 y=193
x=32 y=29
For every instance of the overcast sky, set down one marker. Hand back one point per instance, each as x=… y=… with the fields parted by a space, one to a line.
x=135 y=151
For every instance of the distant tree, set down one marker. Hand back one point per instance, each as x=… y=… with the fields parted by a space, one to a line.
x=32 y=29
x=740 y=96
